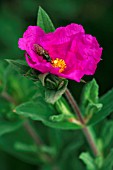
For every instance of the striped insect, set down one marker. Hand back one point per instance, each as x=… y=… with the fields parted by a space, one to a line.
x=41 y=52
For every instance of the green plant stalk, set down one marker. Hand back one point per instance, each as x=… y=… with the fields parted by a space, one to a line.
x=9 y=98
x=85 y=129
x=33 y=133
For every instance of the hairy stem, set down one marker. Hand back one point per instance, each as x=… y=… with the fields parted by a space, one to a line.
x=9 y=98
x=32 y=133
x=85 y=130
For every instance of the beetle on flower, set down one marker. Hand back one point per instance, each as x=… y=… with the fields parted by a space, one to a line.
x=67 y=52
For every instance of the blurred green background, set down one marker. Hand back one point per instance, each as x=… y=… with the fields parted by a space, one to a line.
x=95 y=15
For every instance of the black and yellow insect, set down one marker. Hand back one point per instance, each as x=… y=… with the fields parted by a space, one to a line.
x=41 y=52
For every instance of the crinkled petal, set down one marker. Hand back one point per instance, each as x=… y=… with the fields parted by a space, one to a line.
x=63 y=34
x=32 y=35
x=84 y=54
x=81 y=52
x=43 y=67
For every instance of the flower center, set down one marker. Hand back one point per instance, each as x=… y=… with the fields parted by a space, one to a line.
x=59 y=63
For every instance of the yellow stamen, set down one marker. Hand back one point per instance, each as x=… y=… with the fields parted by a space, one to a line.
x=59 y=63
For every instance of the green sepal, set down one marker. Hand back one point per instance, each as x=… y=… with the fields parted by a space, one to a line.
x=54 y=86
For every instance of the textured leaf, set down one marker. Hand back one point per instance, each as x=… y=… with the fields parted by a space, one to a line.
x=42 y=111
x=44 y=21
x=89 y=100
x=19 y=65
x=107 y=101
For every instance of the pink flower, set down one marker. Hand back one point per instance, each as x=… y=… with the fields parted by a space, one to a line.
x=67 y=52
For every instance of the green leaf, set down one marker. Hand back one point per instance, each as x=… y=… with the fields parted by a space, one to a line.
x=108 y=162
x=19 y=65
x=37 y=110
x=89 y=100
x=107 y=102
x=42 y=111
x=88 y=160
x=44 y=21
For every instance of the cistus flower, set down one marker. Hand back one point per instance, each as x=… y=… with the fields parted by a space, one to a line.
x=67 y=52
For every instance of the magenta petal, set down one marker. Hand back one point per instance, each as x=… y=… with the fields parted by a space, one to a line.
x=32 y=32
x=81 y=52
x=85 y=53
x=63 y=34
x=22 y=44
x=30 y=37
x=42 y=67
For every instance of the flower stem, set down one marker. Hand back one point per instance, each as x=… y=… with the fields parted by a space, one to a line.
x=9 y=98
x=85 y=129
x=32 y=133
